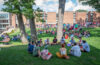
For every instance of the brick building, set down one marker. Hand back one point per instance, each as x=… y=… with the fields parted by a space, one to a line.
x=10 y=20
x=74 y=17
x=68 y=17
x=51 y=18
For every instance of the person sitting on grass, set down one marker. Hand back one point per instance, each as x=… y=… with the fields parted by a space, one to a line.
x=18 y=37
x=86 y=47
x=62 y=52
x=2 y=36
x=75 y=50
x=47 y=41
x=66 y=36
x=80 y=35
x=36 y=51
x=72 y=35
x=83 y=32
x=40 y=42
x=62 y=40
x=28 y=37
x=87 y=34
x=54 y=41
x=72 y=41
x=30 y=47
x=14 y=38
x=45 y=54
x=80 y=41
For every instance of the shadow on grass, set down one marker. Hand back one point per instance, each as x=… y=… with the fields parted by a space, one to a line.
x=18 y=55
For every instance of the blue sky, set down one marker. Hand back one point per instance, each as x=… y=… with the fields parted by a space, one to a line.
x=52 y=5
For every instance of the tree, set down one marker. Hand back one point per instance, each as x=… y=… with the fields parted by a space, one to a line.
x=94 y=3
x=60 y=19
x=13 y=6
x=39 y=15
x=28 y=11
x=31 y=14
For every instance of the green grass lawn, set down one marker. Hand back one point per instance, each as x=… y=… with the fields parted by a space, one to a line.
x=18 y=55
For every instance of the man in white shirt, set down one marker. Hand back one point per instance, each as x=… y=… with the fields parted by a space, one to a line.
x=86 y=47
x=75 y=50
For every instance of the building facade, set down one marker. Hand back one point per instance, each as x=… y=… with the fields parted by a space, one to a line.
x=70 y=17
x=5 y=21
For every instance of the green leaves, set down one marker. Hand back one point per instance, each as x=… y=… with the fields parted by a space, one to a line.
x=94 y=3
x=24 y=7
x=12 y=6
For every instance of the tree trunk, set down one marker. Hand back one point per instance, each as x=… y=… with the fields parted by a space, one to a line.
x=22 y=29
x=60 y=19
x=33 y=30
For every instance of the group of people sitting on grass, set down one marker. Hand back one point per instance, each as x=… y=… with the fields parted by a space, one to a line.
x=76 y=48
x=35 y=50
x=5 y=38
x=53 y=32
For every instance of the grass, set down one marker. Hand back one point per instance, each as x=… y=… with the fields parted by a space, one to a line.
x=18 y=55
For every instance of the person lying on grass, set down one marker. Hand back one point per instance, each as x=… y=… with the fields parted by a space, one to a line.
x=5 y=40
x=62 y=52
x=86 y=47
x=54 y=41
x=36 y=51
x=30 y=47
x=45 y=54
x=75 y=50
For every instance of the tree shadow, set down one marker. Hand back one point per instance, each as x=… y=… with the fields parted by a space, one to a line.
x=18 y=55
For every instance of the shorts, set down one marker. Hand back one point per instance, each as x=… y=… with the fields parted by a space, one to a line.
x=59 y=55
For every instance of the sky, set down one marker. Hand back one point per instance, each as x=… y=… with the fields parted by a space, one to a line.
x=52 y=5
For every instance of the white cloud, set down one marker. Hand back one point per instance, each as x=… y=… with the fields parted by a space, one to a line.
x=83 y=7
x=1 y=2
x=69 y=5
x=43 y=4
x=53 y=7
x=39 y=2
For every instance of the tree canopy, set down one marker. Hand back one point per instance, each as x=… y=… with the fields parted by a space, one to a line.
x=94 y=3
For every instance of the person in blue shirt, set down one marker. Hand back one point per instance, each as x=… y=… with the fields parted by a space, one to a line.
x=72 y=41
x=86 y=47
x=28 y=37
x=62 y=40
x=30 y=47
